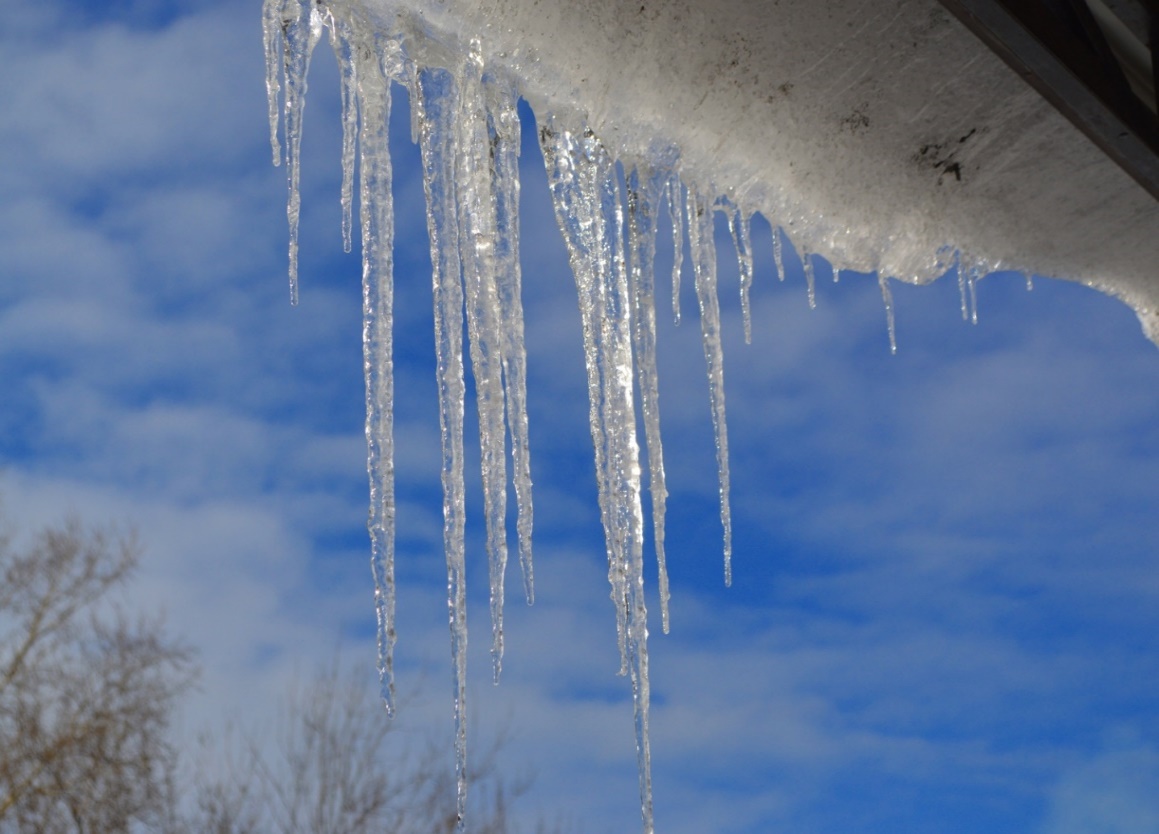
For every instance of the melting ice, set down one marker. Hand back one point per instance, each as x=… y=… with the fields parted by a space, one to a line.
x=465 y=122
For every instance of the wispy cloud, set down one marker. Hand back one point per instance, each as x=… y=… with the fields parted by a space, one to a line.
x=945 y=585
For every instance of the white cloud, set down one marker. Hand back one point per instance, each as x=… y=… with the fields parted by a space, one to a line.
x=1113 y=792
x=944 y=559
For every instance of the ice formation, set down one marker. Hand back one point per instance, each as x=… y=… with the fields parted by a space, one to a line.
x=466 y=124
x=607 y=185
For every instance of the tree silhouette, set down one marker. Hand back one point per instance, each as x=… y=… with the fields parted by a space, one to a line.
x=86 y=692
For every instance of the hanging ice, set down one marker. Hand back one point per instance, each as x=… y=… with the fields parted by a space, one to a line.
x=607 y=184
x=585 y=190
x=466 y=124
x=467 y=127
x=644 y=191
x=433 y=94
x=300 y=25
x=738 y=224
x=703 y=247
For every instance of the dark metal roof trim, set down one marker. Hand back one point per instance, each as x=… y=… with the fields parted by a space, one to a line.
x=1058 y=48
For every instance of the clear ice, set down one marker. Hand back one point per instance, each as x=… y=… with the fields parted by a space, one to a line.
x=586 y=193
x=465 y=121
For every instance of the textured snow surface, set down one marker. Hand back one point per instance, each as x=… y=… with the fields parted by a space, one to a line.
x=878 y=135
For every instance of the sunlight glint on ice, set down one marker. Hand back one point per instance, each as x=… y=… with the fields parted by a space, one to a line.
x=467 y=127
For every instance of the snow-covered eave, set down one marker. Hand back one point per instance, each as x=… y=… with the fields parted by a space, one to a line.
x=881 y=135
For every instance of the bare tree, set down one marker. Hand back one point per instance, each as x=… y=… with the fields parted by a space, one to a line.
x=86 y=697
x=338 y=766
x=86 y=692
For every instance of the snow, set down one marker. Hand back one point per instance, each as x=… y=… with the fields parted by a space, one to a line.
x=876 y=134
x=846 y=122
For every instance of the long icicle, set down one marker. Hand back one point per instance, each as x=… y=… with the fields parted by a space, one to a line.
x=624 y=460
x=580 y=224
x=586 y=194
x=433 y=93
x=477 y=232
x=377 y=324
x=505 y=137
x=703 y=247
x=644 y=189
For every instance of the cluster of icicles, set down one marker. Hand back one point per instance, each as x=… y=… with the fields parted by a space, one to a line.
x=464 y=119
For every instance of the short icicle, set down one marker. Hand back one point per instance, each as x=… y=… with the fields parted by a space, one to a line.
x=272 y=41
x=810 y=278
x=676 y=210
x=970 y=271
x=778 y=253
x=962 y=296
x=588 y=203
x=301 y=28
x=738 y=224
x=644 y=189
x=434 y=96
x=341 y=41
x=703 y=248
x=887 y=299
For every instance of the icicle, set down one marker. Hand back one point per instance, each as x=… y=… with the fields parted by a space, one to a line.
x=778 y=253
x=434 y=99
x=703 y=248
x=586 y=195
x=887 y=298
x=972 y=282
x=616 y=372
x=644 y=189
x=970 y=271
x=377 y=298
x=810 y=278
x=341 y=41
x=504 y=135
x=738 y=224
x=574 y=195
x=641 y=688
x=477 y=234
x=411 y=73
x=676 y=210
x=1029 y=281
x=301 y=25
x=964 y=299
x=271 y=40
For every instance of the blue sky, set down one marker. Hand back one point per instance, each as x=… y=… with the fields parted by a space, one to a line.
x=945 y=608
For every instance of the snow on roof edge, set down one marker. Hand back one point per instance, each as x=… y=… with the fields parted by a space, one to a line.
x=878 y=138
